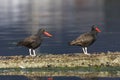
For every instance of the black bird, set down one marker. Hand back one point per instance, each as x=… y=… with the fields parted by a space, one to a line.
x=86 y=39
x=34 y=41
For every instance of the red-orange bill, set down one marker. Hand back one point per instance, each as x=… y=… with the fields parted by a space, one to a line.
x=50 y=79
x=47 y=34
x=98 y=30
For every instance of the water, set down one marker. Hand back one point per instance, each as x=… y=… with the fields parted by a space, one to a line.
x=37 y=78
x=65 y=19
x=8 y=77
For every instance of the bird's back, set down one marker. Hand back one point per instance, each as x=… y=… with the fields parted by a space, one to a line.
x=31 y=42
x=84 y=40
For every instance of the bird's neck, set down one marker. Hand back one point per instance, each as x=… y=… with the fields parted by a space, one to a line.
x=39 y=34
x=94 y=33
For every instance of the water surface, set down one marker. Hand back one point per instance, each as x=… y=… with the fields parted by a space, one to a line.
x=65 y=19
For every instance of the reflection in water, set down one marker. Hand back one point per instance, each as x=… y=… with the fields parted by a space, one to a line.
x=17 y=77
x=56 y=78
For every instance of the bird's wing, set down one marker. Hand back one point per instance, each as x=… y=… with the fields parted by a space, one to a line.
x=29 y=40
x=83 y=39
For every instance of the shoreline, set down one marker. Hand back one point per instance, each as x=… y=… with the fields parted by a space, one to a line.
x=61 y=60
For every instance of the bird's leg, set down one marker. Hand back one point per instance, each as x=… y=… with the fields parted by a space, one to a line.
x=30 y=51
x=34 y=54
x=83 y=48
x=86 y=51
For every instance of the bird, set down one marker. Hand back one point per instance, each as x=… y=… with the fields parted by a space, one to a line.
x=34 y=41
x=86 y=39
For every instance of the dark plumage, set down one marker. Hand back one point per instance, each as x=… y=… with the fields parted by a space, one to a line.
x=34 y=41
x=86 y=39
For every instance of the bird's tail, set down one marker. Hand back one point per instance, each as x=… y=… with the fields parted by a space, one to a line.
x=72 y=43
x=19 y=43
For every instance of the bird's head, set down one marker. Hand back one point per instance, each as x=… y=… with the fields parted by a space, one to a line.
x=43 y=31
x=95 y=28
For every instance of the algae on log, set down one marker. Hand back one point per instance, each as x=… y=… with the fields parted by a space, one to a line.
x=61 y=60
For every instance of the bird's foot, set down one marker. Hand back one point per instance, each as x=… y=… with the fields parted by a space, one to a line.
x=87 y=54
x=33 y=55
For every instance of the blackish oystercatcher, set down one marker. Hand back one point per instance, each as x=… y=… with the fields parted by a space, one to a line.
x=34 y=41
x=86 y=39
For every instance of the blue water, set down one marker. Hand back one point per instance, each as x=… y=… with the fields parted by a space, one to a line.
x=16 y=77
x=64 y=19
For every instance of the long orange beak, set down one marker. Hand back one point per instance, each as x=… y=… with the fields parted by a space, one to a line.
x=97 y=29
x=47 y=34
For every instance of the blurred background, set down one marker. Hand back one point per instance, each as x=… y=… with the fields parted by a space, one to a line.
x=64 y=19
